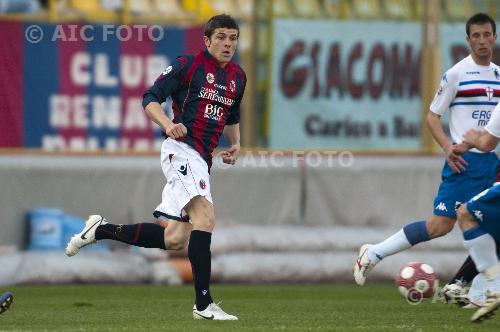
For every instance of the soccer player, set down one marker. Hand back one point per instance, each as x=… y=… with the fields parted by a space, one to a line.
x=479 y=219
x=206 y=90
x=5 y=301
x=469 y=90
x=455 y=291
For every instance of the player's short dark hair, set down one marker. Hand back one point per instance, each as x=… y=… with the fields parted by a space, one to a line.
x=220 y=21
x=480 y=18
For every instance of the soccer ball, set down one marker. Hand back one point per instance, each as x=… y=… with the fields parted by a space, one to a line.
x=416 y=281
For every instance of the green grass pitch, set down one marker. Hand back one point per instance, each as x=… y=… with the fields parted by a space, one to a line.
x=326 y=307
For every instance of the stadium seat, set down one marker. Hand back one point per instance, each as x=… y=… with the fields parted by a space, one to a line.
x=398 y=9
x=246 y=8
x=366 y=9
x=457 y=10
x=93 y=10
x=202 y=9
x=245 y=39
x=225 y=7
x=336 y=9
x=171 y=10
x=281 y=8
x=307 y=8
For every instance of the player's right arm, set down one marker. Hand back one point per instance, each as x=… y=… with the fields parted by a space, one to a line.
x=157 y=115
x=441 y=103
x=168 y=82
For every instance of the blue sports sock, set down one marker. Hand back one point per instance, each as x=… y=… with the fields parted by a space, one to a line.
x=416 y=232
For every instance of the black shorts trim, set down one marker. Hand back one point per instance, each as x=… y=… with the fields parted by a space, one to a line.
x=158 y=214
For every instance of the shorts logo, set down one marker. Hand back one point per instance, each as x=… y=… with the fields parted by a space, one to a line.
x=183 y=170
x=210 y=78
x=232 y=86
x=441 y=207
x=203 y=185
x=479 y=215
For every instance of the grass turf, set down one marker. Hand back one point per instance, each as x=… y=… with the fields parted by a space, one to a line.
x=328 y=307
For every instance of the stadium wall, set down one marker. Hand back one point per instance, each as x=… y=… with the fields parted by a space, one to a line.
x=361 y=192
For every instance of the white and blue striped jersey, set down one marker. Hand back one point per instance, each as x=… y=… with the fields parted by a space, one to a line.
x=470 y=92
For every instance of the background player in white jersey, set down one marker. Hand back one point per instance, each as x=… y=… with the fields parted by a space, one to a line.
x=479 y=219
x=469 y=90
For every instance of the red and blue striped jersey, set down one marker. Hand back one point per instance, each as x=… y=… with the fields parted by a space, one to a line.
x=205 y=98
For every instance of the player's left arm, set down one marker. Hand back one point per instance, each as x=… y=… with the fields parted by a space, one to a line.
x=232 y=129
x=232 y=135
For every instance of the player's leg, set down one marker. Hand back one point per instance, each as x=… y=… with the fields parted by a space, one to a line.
x=201 y=213
x=455 y=188
x=467 y=274
x=5 y=301
x=147 y=235
x=410 y=235
x=478 y=219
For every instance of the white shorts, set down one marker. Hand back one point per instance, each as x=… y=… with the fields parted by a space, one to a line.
x=187 y=177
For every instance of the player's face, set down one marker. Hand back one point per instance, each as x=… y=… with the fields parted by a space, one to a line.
x=481 y=40
x=222 y=44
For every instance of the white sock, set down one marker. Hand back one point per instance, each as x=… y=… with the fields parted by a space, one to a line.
x=477 y=291
x=492 y=276
x=390 y=246
x=483 y=251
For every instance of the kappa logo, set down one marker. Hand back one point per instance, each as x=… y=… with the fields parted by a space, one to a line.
x=232 y=85
x=441 y=207
x=203 y=185
x=479 y=215
x=497 y=75
x=183 y=170
x=489 y=92
x=210 y=78
x=204 y=292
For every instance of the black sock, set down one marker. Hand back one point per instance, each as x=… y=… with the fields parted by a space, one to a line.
x=201 y=263
x=466 y=273
x=147 y=235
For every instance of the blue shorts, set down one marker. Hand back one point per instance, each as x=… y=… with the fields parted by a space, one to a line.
x=456 y=188
x=485 y=208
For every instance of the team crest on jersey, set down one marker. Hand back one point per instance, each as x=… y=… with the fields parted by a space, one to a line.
x=232 y=85
x=203 y=184
x=489 y=92
x=168 y=70
x=210 y=78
